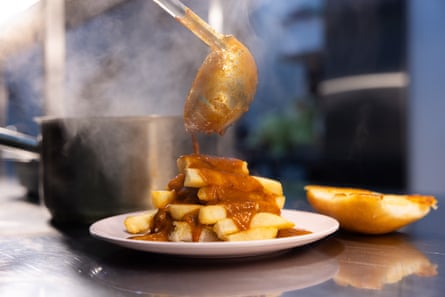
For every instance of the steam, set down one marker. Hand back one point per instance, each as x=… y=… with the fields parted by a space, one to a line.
x=136 y=60
x=132 y=61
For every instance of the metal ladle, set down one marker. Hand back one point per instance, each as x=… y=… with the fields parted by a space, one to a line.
x=226 y=82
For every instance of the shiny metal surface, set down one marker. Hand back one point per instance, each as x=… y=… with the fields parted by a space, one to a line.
x=39 y=258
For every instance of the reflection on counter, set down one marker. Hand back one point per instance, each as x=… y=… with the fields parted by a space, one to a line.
x=271 y=276
x=371 y=262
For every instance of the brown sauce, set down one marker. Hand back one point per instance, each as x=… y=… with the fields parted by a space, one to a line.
x=241 y=213
x=177 y=182
x=242 y=196
x=193 y=221
x=292 y=232
x=223 y=164
x=228 y=180
x=159 y=236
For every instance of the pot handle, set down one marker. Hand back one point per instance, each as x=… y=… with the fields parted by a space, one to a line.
x=17 y=140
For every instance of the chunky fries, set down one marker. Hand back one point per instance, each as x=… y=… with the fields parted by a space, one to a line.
x=213 y=199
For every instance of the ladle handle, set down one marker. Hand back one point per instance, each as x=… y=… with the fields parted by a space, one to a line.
x=173 y=7
x=17 y=140
x=193 y=22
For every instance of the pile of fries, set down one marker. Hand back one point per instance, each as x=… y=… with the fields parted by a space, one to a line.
x=212 y=199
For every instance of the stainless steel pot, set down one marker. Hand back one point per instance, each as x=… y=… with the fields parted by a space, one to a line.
x=96 y=167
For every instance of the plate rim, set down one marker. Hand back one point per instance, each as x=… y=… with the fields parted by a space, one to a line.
x=212 y=249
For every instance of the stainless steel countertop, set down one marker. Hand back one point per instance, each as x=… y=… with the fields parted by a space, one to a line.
x=38 y=258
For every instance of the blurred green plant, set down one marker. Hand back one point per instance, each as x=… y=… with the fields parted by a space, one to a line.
x=281 y=133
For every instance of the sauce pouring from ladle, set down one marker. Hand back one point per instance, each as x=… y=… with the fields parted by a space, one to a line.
x=225 y=84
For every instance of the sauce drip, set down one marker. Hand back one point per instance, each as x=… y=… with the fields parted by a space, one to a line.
x=195 y=143
x=163 y=224
x=193 y=221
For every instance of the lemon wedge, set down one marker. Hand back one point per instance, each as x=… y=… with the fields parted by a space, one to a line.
x=368 y=212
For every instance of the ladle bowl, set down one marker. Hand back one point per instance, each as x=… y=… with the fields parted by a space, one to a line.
x=222 y=90
x=225 y=84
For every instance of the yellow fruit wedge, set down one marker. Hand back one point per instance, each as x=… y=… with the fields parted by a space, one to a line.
x=368 y=212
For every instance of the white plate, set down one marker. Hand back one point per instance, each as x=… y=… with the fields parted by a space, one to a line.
x=112 y=229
